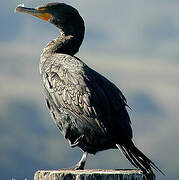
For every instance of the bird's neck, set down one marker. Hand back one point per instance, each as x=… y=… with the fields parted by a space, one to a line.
x=68 y=43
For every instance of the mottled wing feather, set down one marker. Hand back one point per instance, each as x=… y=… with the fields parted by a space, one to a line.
x=85 y=93
x=69 y=90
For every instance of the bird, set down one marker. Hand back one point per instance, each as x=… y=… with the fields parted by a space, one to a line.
x=89 y=110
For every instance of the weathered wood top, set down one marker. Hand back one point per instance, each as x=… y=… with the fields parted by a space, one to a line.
x=89 y=174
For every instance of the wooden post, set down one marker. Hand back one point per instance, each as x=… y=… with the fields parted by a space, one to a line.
x=90 y=174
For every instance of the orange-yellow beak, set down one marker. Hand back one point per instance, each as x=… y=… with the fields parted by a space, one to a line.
x=38 y=12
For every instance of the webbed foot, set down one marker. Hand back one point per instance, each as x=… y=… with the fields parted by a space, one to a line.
x=80 y=165
x=77 y=141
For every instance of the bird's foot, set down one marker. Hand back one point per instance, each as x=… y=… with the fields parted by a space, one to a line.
x=80 y=165
x=75 y=167
x=77 y=141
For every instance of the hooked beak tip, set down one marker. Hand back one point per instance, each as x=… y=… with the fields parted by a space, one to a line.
x=40 y=13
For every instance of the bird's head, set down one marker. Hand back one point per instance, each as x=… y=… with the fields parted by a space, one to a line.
x=61 y=15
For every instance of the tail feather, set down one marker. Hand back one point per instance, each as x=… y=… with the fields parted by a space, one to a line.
x=139 y=160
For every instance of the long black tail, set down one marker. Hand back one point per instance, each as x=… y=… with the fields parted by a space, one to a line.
x=139 y=160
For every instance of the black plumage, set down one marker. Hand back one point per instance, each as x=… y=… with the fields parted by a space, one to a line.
x=89 y=110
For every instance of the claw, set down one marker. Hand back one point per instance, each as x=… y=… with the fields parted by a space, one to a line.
x=80 y=165
x=77 y=141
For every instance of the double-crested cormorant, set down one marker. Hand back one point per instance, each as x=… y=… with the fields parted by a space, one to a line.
x=89 y=110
